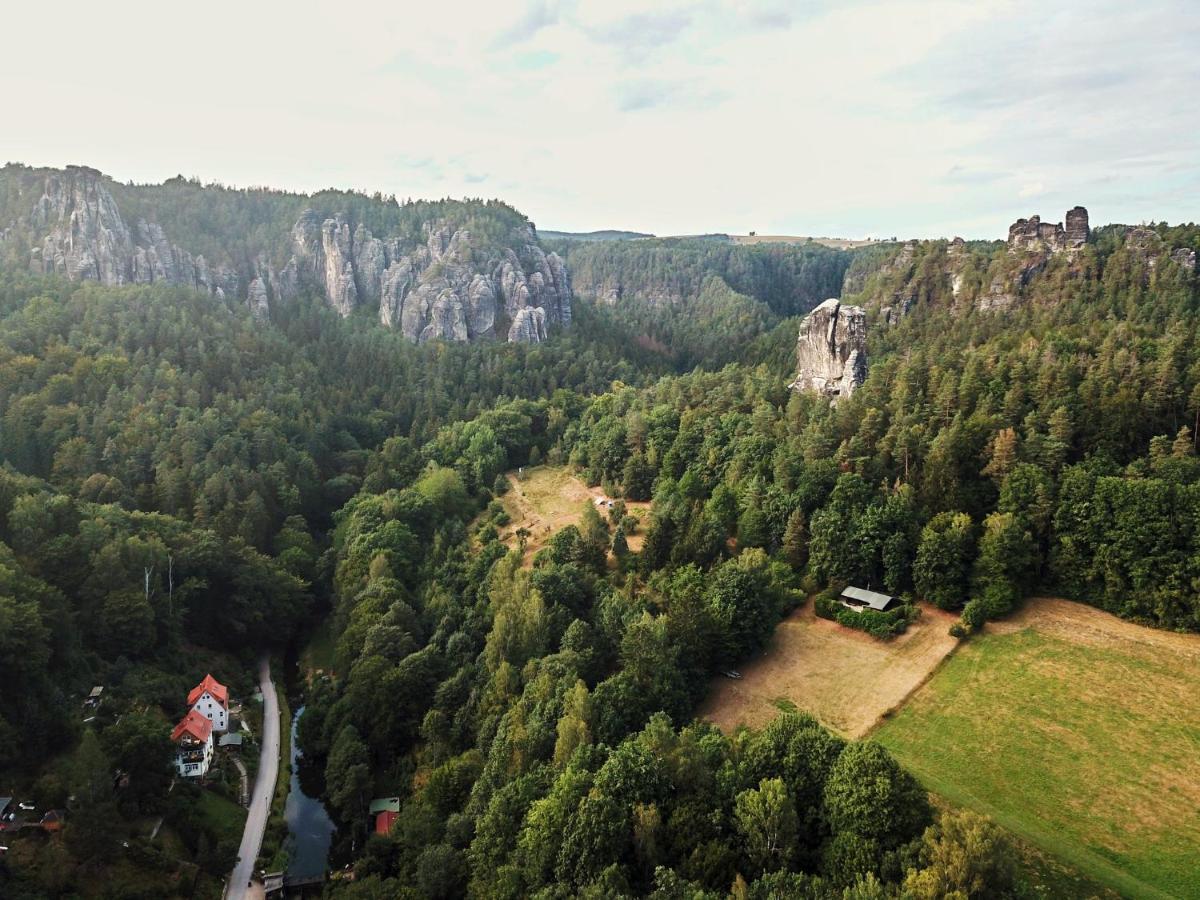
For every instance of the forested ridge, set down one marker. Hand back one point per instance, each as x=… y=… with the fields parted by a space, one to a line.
x=538 y=723
x=789 y=279
x=233 y=226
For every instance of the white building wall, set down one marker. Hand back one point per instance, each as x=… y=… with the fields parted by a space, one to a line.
x=210 y=707
x=195 y=769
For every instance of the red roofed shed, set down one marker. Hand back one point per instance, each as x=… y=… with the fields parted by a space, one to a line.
x=383 y=821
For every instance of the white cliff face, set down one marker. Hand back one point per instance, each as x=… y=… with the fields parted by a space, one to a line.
x=85 y=238
x=831 y=352
x=446 y=288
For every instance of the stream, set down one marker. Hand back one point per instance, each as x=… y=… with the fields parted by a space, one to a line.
x=310 y=830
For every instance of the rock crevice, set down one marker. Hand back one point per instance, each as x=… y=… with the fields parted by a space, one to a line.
x=831 y=350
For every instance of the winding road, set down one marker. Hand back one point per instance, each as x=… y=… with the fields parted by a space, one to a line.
x=264 y=789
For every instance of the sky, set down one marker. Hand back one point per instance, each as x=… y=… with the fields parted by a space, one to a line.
x=842 y=119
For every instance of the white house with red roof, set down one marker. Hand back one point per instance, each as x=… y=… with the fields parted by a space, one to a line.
x=193 y=738
x=210 y=698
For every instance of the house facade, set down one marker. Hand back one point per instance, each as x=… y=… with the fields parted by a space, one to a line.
x=193 y=738
x=210 y=699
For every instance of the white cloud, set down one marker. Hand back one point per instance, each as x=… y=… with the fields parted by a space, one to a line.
x=870 y=117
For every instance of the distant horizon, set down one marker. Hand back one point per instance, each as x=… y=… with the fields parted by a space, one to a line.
x=861 y=119
x=871 y=237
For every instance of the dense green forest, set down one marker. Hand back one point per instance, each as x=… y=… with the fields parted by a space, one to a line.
x=789 y=279
x=183 y=483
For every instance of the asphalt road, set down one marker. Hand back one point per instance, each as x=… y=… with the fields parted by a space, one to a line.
x=264 y=790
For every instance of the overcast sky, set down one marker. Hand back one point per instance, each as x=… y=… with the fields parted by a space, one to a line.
x=841 y=119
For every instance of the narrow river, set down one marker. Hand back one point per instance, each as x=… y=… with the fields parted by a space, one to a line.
x=310 y=830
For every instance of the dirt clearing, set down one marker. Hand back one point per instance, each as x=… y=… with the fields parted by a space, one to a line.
x=846 y=678
x=548 y=498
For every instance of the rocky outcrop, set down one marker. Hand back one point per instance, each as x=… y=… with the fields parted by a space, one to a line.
x=82 y=235
x=1185 y=258
x=1077 y=227
x=1146 y=245
x=446 y=288
x=1033 y=234
x=831 y=352
x=1031 y=245
x=528 y=326
x=256 y=299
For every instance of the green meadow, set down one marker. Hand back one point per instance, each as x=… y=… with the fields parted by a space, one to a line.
x=1088 y=747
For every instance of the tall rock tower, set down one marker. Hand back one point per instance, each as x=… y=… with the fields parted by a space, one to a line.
x=831 y=352
x=1077 y=227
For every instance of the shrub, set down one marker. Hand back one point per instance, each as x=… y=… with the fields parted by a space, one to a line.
x=877 y=624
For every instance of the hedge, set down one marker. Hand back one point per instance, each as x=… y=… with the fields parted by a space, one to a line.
x=881 y=625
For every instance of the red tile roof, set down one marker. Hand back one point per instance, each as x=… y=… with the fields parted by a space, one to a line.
x=214 y=687
x=193 y=724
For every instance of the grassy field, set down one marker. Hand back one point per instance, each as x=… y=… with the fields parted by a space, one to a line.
x=1078 y=732
x=224 y=816
x=844 y=677
x=548 y=498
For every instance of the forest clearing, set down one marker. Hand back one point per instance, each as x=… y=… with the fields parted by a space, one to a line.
x=545 y=499
x=846 y=678
x=1077 y=731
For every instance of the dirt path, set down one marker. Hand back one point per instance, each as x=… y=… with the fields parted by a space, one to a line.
x=844 y=677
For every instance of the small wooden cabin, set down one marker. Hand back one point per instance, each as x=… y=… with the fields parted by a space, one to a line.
x=859 y=599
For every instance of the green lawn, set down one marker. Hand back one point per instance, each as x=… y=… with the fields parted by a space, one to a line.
x=1089 y=749
x=320 y=650
x=226 y=818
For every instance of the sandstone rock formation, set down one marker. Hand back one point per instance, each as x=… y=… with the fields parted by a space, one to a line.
x=1146 y=244
x=443 y=289
x=1077 y=227
x=831 y=352
x=449 y=286
x=83 y=236
x=1034 y=234
x=1033 y=242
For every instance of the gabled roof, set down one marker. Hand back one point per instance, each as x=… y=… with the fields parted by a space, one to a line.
x=870 y=598
x=194 y=725
x=214 y=687
x=384 y=804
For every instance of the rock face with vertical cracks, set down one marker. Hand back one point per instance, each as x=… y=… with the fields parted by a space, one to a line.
x=449 y=287
x=438 y=281
x=831 y=352
x=78 y=232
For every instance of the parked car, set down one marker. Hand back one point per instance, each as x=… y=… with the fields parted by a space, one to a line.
x=730 y=673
